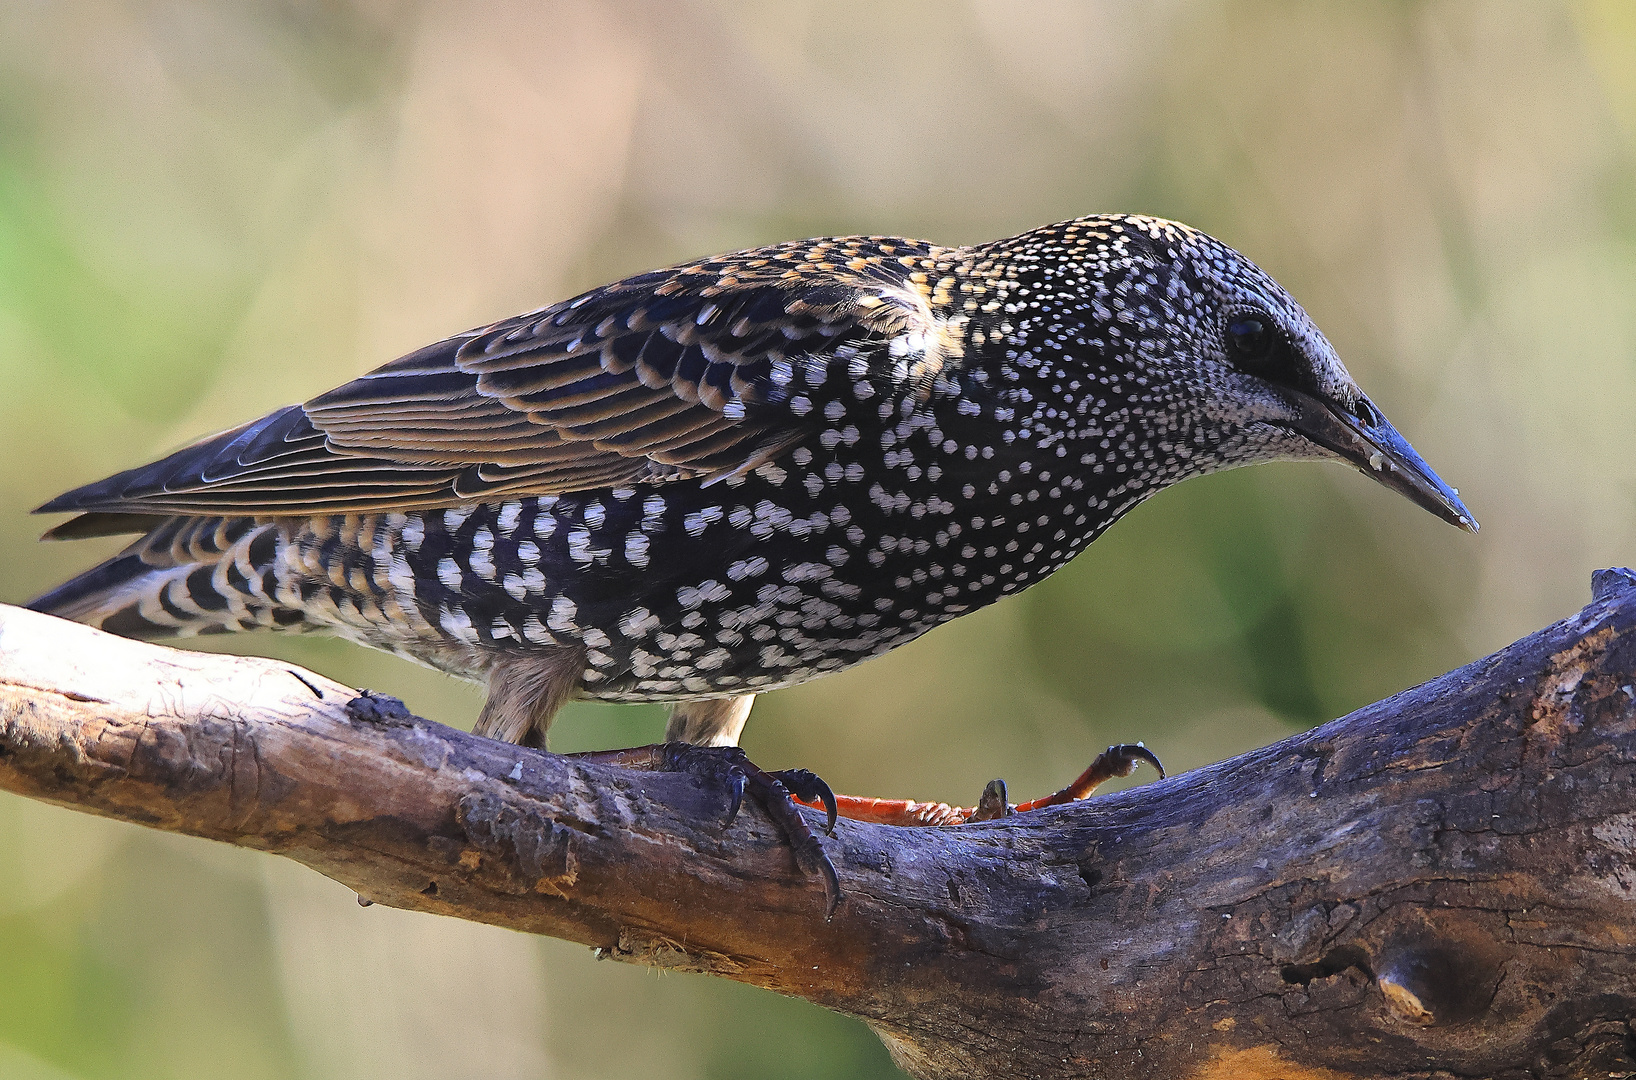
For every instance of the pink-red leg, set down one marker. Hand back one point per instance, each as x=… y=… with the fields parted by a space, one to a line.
x=1120 y=760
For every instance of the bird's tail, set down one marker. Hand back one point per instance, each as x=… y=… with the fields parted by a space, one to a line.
x=188 y=576
x=112 y=597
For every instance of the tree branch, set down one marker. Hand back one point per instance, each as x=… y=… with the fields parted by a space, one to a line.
x=1441 y=883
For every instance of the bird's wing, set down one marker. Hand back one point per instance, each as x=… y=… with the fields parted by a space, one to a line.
x=672 y=374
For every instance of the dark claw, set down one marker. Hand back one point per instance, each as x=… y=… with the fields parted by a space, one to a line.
x=1128 y=754
x=809 y=853
x=993 y=805
x=728 y=765
x=735 y=786
x=832 y=886
x=808 y=786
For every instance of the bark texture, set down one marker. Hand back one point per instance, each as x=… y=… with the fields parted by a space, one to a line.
x=1442 y=884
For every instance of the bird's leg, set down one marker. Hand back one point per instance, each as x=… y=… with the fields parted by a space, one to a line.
x=777 y=792
x=709 y=721
x=525 y=692
x=1120 y=760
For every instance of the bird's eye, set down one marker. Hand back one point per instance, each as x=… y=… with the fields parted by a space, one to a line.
x=1251 y=339
x=1257 y=347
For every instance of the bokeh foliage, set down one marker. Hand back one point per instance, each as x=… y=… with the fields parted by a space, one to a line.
x=211 y=209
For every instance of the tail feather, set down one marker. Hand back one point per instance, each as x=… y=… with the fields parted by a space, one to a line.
x=112 y=597
x=99 y=524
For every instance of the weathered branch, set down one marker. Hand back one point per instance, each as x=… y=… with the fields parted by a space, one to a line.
x=1443 y=883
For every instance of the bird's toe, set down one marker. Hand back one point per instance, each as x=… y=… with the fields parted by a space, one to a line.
x=774 y=792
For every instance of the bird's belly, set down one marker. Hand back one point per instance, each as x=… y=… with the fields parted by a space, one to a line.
x=759 y=632
x=679 y=590
x=725 y=609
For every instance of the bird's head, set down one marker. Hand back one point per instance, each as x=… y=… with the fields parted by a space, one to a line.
x=1260 y=372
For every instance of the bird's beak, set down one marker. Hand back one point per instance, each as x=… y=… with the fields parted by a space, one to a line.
x=1377 y=450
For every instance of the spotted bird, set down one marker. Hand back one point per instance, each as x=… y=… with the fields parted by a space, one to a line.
x=710 y=481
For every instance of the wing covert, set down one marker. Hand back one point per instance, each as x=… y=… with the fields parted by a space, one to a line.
x=670 y=374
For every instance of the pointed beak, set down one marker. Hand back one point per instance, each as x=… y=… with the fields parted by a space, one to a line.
x=1375 y=448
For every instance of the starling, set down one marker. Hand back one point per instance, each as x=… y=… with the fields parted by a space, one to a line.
x=702 y=483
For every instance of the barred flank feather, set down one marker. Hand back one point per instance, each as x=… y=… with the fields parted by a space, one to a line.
x=188 y=576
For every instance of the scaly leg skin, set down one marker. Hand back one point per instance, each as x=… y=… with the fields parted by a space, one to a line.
x=777 y=792
x=1120 y=760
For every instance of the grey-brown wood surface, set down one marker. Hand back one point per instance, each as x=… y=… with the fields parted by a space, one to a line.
x=1442 y=884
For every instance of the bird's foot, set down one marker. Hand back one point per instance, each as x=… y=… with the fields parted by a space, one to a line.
x=777 y=792
x=1120 y=760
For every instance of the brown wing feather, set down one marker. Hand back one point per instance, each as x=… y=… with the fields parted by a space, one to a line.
x=658 y=377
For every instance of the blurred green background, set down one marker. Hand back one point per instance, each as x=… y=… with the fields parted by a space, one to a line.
x=211 y=209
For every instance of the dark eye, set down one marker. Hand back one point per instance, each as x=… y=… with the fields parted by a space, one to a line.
x=1251 y=341
x=1257 y=347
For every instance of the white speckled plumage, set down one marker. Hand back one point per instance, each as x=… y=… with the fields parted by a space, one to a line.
x=720 y=479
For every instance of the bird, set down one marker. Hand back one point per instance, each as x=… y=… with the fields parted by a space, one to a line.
x=707 y=482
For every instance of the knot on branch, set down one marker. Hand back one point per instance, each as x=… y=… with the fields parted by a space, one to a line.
x=372 y=708
x=535 y=853
x=1606 y=584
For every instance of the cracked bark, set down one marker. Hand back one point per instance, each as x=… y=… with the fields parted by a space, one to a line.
x=1441 y=884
